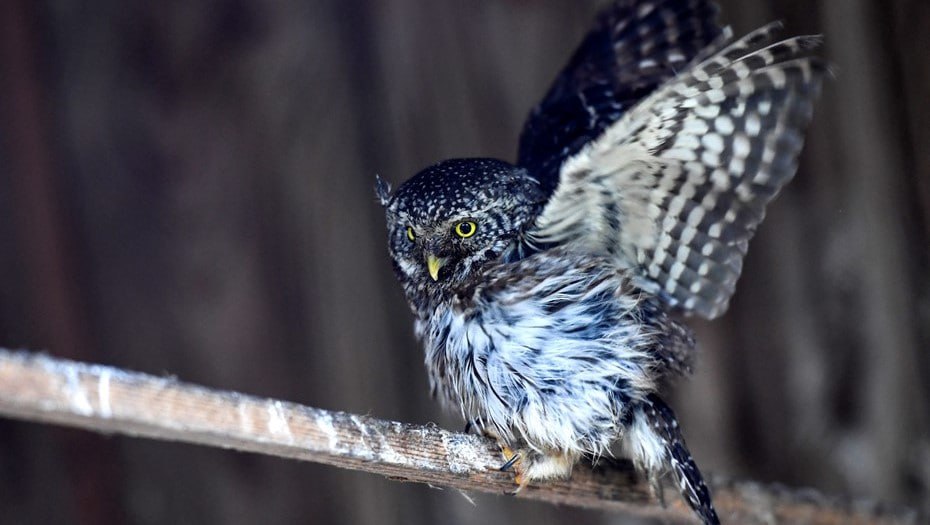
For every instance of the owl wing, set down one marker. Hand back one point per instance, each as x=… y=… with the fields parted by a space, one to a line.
x=634 y=47
x=676 y=187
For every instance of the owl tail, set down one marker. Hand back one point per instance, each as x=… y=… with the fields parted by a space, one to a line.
x=656 y=445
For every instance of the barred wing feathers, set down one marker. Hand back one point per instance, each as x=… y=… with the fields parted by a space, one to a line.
x=676 y=188
x=635 y=46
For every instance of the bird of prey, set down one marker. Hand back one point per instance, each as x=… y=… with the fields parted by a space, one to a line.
x=548 y=293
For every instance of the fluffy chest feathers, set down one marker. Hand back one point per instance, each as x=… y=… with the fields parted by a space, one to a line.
x=551 y=349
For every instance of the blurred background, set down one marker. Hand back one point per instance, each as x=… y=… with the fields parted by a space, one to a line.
x=186 y=189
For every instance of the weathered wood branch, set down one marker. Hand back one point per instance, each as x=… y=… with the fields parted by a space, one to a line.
x=36 y=387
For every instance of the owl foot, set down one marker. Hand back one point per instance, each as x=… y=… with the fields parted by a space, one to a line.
x=511 y=457
x=529 y=465
x=514 y=462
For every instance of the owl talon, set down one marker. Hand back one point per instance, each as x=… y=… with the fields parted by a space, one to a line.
x=509 y=455
x=515 y=463
x=514 y=458
x=521 y=482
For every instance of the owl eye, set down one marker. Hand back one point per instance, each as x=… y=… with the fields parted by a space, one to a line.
x=466 y=229
x=410 y=235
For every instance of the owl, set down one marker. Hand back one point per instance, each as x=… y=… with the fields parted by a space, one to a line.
x=549 y=293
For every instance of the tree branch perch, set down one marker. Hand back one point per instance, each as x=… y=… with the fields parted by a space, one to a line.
x=36 y=387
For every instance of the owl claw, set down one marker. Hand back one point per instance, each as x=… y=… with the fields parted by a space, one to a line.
x=510 y=462
x=509 y=455
x=514 y=463
x=521 y=482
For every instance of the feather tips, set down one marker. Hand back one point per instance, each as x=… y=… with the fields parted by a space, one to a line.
x=677 y=187
x=635 y=46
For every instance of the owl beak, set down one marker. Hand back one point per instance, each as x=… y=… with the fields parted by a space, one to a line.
x=433 y=264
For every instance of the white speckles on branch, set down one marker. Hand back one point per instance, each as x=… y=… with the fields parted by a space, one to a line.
x=367 y=450
x=277 y=423
x=103 y=393
x=466 y=455
x=77 y=398
x=43 y=389
x=325 y=423
x=246 y=423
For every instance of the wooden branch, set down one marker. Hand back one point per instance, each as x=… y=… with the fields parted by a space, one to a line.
x=36 y=387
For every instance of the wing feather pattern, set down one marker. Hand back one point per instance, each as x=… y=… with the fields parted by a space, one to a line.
x=676 y=187
x=635 y=46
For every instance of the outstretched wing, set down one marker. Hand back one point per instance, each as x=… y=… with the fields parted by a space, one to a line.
x=635 y=46
x=676 y=188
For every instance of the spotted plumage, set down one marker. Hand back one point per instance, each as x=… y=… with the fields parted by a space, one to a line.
x=543 y=292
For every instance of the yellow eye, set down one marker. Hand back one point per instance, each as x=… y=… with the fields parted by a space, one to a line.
x=466 y=229
x=410 y=234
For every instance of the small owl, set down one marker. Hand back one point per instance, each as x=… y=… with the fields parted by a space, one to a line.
x=546 y=293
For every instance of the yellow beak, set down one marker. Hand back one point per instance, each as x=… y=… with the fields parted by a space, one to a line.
x=433 y=264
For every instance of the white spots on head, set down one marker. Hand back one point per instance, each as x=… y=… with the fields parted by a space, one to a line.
x=409 y=267
x=643 y=11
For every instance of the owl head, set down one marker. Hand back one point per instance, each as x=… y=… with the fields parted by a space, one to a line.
x=450 y=220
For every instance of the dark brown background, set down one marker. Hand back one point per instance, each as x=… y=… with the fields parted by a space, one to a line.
x=185 y=189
